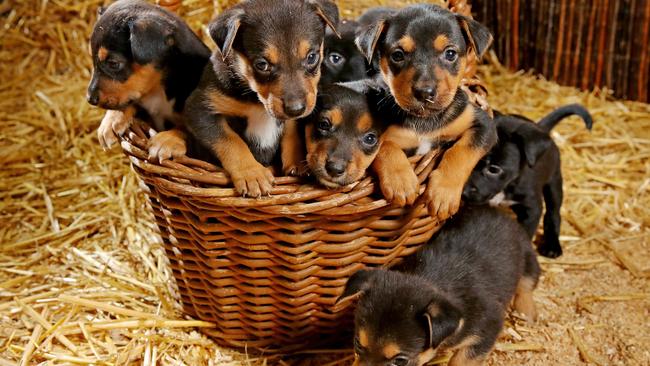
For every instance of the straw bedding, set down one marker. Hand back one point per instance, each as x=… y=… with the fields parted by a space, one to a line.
x=84 y=280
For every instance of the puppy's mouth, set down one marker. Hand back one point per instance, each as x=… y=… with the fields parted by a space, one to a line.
x=318 y=170
x=115 y=105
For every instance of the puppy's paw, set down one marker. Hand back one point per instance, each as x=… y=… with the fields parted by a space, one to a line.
x=550 y=248
x=443 y=196
x=167 y=145
x=113 y=125
x=253 y=180
x=399 y=186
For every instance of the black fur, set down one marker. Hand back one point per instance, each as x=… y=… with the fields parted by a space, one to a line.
x=525 y=166
x=457 y=286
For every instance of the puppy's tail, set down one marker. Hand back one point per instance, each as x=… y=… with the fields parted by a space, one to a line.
x=550 y=120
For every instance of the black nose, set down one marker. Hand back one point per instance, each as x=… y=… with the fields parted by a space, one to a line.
x=93 y=98
x=294 y=108
x=424 y=93
x=335 y=168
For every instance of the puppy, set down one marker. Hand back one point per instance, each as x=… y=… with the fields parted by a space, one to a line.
x=264 y=71
x=451 y=294
x=422 y=52
x=342 y=136
x=522 y=168
x=343 y=61
x=146 y=61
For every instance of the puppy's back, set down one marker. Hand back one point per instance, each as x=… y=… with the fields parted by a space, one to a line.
x=480 y=250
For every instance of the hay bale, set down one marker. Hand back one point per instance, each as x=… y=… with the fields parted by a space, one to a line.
x=84 y=278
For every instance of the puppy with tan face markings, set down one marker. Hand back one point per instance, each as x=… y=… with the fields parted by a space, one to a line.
x=342 y=136
x=264 y=72
x=146 y=61
x=451 y=295
x=422 y=53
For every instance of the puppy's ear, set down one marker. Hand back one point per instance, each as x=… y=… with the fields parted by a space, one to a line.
x=358 y=283
x=150 y=38
x=223 y=30
x=100 y=10
x=532 y=142
x=329 y=12
x=442 y=319
x=367 y=38
x=476 y=34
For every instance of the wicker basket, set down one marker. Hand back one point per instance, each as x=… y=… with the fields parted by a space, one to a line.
x=267 y=271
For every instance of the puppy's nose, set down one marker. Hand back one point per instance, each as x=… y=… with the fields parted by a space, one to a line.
x=294 y=107
x=335 y=168
x=92 y=98
x=424 y=93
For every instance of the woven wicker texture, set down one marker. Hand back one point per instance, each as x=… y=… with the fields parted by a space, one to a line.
x=268 y=271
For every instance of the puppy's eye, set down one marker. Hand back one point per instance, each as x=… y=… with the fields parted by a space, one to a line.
x=399 y=361
x=370 y=139
x=324 y=125
x=397 y=56
x=493 y=170
x=335 y=58
x=312 y=58
x=114 y=65
x=262 y=65
x=451 y=55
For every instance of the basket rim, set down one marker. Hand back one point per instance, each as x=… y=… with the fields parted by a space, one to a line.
x=190 y=177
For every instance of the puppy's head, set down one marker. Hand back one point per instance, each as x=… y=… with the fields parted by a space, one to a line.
x=276 y=47
x=400 y=320
x=342 y=136
x=129 y=44
x=343 y=61
x=520 y=145
x=422 y=52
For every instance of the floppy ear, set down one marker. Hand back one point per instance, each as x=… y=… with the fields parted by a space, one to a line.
x=532 y=142
x=150 y=38
x=368 y=37
x=441 y=320
x=329 y=12
x=358 y=283
x=476 y=34
x=223 y=30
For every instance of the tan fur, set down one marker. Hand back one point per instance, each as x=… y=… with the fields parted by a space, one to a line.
x=223 y=104
x=141 y=83
x=397 y=180
x=404 y=138
x=168 y=144
x=390 y=350
x=462 y=358
x=364 y=341
x=248 y=175
x=400 y=85
x=440 y=43
x=102 y=54
x=426 y=356
x=335 y=115
x=291 y=148
x=407 y=44
x=524 y=302
x=272 y=54
x=455 y=128
x=364 y=122
x=114 y=124
x=448 y=84
x=303 y=48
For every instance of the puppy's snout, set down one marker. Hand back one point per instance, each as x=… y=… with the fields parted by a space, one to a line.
x=335 y=167
x=92 y=97
x=424 y=92
x=294 y=107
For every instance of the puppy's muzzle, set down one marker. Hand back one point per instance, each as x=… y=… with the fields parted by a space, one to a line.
x=424 y=93
x=294 y=107
x=336 y=167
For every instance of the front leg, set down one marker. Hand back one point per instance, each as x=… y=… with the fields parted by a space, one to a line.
x=397 y=180
x=114 y=124
x=293 y=151
x=445 y=186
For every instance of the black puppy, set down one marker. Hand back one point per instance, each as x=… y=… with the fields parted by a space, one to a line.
x=522 y=168
x=452 y=294
x=341 y=135
x=343 y=60
x=146 y=61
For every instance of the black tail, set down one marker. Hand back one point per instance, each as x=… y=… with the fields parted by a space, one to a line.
x=550 y=120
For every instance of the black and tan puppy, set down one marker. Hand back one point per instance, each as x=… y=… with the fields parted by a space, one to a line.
x=452 y=294
x=422 y=52
x=343 y=61
x=146 y=61
x=264 y=72
x=342 y=136
x=524 y=168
